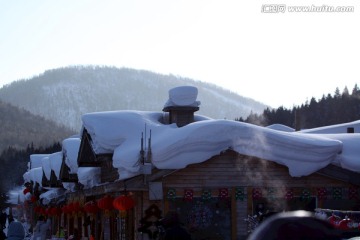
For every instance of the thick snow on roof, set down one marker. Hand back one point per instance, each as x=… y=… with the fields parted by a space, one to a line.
x=70 y=148
x=51 y=194
x=55 y=162
x=46 y=167
x=89 y=176
x=69 y=186
x=281 y=127
x=36 y=160
x=36 y=175
x=26 y=176
x=337 y=128
x=350 y=152
x=175 y=148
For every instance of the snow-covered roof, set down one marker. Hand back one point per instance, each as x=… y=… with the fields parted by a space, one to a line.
x=51 y=194
x=36 y=160
x=89 y=176
x=46 y=167
x=337 y=128
x=175 y=148
x=70 y=149
x=281 y=127
x=35 y=175
x=55 y=162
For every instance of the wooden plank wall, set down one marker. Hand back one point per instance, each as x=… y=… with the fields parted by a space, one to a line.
x=231 y=170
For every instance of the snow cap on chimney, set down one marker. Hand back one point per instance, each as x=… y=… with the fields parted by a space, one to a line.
x=183 y=96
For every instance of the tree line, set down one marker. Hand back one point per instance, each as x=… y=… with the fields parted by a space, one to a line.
x=340 y=107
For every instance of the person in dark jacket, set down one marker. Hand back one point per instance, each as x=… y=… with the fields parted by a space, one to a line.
x=3 y=218
x=173 y=228
x=2 y=235
x=15 y=231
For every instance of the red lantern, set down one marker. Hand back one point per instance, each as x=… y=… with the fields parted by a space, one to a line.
x=91 y=207
x=65 y=209
x=70 y=208
x=124 y=203
x=344 y=224
x=37 y=209
x=334 y=220
x=76 y=207
x=48 y=211
x=54 y=211
x=26 y=190
x=33 y=198
x=43 y=211
x=106 y=203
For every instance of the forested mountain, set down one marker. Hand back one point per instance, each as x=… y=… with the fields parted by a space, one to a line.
x=19 y=128
x=330 y=109
x=64 y=94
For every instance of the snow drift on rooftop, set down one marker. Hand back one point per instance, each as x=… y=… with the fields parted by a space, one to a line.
x=36 y=160
x=46 y=167
x=183 y=96
x=70 y=148
x=175 y=148
x=89 y=176
x=36 y=175
x=55 y=162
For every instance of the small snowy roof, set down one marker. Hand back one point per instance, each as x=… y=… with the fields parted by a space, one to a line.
x=46 y=167
x=175 y=148
x=337 y=128
x=36 y=175
x=70 y=149
x=36 y=160
x=89 y=176
x=69 y=186
x=51 y=194
x=26 y=176
x=55 y=162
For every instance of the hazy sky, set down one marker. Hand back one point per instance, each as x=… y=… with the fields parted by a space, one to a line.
x=276 y=58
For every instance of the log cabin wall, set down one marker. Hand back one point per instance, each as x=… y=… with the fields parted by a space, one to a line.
x=230 y=170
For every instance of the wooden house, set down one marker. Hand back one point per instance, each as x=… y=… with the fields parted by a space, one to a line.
x=215 y=197
x=88 y=158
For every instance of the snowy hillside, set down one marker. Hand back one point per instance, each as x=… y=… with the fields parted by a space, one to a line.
x=63 y=95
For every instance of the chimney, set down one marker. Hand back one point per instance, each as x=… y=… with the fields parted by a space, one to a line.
x=181 y=105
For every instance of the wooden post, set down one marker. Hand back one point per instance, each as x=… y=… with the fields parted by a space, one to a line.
x=233 y=215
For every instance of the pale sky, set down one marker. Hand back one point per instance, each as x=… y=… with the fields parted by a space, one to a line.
x=277 y=58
